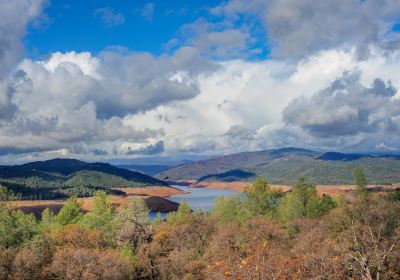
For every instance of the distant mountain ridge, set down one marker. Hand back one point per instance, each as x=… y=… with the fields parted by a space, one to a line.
x=351 y=157
x=229 y=176
x=285 y=165
x=147 y=169
x=63 y=177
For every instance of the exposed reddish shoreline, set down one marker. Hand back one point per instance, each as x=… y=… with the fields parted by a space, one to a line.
x=161 y=191
x=322 y=189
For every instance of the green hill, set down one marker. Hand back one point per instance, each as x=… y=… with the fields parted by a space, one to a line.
x=284 y=166
x=58 y=178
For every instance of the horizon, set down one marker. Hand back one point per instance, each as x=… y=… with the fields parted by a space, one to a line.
x=175 y=161
x=145 y=80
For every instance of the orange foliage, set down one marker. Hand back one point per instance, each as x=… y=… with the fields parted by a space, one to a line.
x=76 y=236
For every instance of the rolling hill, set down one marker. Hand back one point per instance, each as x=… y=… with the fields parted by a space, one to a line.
x=64 y=177
x=284 y=166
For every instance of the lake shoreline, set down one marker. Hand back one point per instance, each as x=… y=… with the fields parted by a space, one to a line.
x=154 y=196
x=331 y=190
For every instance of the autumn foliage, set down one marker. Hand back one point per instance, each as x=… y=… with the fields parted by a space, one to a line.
x=263 y=234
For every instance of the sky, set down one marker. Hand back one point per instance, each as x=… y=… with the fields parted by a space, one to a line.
x=126 y=79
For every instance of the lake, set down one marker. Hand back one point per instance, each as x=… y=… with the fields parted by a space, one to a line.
x=198 y=199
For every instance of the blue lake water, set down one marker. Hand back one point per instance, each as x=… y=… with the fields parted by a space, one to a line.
x=198 y=199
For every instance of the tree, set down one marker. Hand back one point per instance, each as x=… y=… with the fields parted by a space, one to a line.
x=16 y=228
x=5 y=196
x=261 y=198
x=181 y=215
x=295 y=205
x=29 y=263
x=76 y=236
x=361 y=183
x=373 y=238
x=319 y=206
x=133 y=224
x=71 y=212
x=227 y=209
x=101 y=217
x=88 y=264
x=304 y=201
x=101 y=214
x=48 y=221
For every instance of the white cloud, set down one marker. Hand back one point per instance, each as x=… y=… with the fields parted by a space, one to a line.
x=252 y=96
x=14 y=17
x=80 y=102
x=110 y=105
x=298 y=28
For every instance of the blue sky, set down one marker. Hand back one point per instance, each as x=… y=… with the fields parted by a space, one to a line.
x=111 y=79
x=146 y=26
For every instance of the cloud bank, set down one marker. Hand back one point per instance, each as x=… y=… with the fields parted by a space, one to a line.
x=331 y=81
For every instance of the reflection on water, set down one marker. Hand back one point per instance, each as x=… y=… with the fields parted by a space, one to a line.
x=198 y=199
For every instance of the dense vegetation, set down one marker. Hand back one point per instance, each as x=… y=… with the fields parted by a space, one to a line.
x=265 y=234
x=285 y=166
x=60 y=178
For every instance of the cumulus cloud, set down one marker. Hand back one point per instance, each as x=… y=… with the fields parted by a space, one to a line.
x=109 y=17
x=15 y=15
x=77 y=103
x=329 y=101
x=297 y=28
x=77 y=98
x=346 y=107
x=139 y=82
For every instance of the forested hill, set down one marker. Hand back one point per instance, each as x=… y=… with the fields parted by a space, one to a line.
x=64 y=177
x=284 y=166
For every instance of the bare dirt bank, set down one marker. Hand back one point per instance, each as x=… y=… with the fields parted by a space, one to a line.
x=160 y=191
x=233 y=186
x=155 y=198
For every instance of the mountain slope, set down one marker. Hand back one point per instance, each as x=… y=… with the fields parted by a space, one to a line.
x=252 y=160
x=63 y=177
x=284 y=166
x=147 y=169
